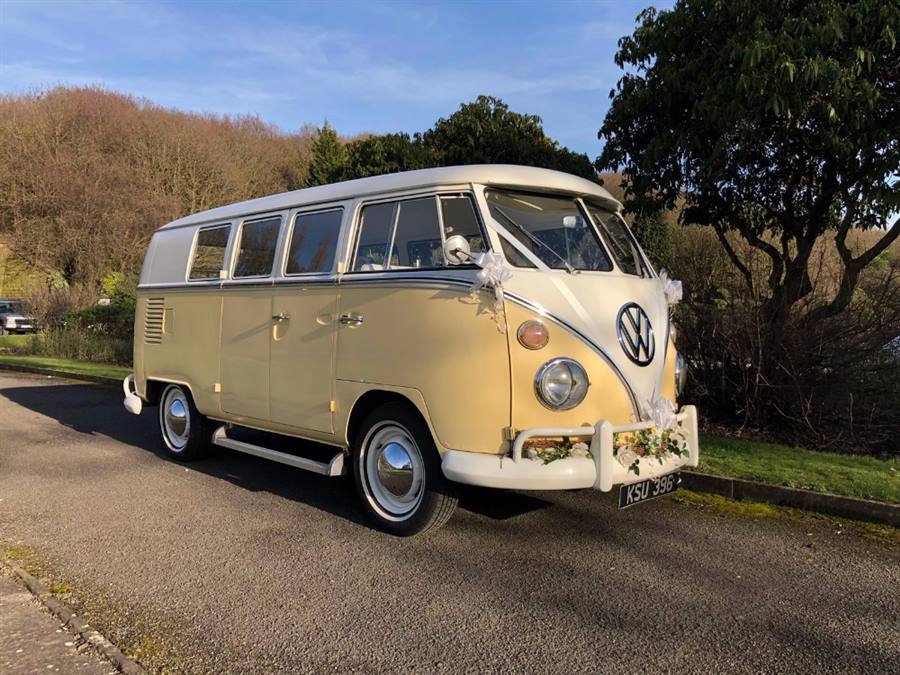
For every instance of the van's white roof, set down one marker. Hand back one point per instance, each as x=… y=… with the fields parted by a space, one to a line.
x=508 y=175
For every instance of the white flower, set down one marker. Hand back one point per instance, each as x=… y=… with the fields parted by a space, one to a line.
x=626 y=457
x=579 y=450
x=533 y=454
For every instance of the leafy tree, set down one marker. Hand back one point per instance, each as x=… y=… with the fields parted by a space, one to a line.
x=779 y=120
x=486 y=131
x=390 y=153
x=329 y=157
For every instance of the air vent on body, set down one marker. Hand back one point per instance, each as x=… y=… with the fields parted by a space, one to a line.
x=153 y=320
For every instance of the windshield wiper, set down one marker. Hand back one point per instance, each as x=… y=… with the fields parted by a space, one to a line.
x=520 y=228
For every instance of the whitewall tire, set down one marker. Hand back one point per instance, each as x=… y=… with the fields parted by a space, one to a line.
x=185 y=432
x=398 y=474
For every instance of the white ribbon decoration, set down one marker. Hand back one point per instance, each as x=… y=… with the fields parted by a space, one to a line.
x=492 y=274
x=671 y=287
x=661 y=411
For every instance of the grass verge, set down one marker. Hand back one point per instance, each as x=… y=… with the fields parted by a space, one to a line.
x=757 y=510
x=848 y=475
x=66 y=365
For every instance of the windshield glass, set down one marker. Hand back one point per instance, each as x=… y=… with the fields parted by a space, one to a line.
x=13 y=307
x=554 y=228
x=619 y=241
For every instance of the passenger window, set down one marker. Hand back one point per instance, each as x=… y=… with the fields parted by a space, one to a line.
x=459 y=217
x=313 y=242
x=417 y=240
x=375 y=227
x=257 y=248
x=209 y=253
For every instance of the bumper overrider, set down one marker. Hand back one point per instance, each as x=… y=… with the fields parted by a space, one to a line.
x=601 y=470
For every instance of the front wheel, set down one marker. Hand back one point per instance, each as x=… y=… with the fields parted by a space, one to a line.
x=185 y=432
x=398 y=474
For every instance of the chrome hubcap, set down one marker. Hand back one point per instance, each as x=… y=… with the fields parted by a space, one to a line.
x=175 y=418
x=394 y=471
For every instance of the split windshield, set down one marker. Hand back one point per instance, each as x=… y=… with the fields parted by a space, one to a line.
x=558 y=232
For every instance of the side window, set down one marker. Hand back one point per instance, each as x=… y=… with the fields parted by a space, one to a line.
x=256 y=251
x=313 y=242
x=375 y=226
x=458 y=214
x=209 y=253
x=417 y=239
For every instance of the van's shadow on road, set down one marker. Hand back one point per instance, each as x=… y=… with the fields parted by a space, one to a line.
x=91 y=410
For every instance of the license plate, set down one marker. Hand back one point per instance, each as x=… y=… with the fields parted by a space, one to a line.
x=629 y=495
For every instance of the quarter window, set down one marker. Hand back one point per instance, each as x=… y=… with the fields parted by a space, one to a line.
x=417 y=238
x=313 y=242
x=375 y=228
x=256 y=251
x=209 y=253
x=458 y=214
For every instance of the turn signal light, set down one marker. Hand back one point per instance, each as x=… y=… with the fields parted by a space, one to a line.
x=533 y=335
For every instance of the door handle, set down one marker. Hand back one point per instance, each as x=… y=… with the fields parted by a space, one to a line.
x=350 y=319
x=280 y=317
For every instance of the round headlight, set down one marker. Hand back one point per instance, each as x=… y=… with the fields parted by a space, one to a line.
x=561 y=384
x=680 y=373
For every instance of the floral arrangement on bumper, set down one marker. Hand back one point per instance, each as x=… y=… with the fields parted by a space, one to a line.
x=631 y=447
x=548 y=450
x=660 y=442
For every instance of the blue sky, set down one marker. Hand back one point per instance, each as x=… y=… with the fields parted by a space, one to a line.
x=365 y=66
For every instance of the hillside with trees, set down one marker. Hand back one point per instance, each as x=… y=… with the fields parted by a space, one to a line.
x=86 y=175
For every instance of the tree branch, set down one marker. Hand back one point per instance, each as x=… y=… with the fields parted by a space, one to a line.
x=732 y=254
x=852 y=269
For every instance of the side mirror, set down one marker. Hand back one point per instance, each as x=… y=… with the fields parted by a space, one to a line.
x=456 y=250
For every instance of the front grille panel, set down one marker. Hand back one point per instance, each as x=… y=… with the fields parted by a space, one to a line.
x=153 y=321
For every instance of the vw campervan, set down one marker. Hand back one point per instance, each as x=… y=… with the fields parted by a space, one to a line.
x=491 y=325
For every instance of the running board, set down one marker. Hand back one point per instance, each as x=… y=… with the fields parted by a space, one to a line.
x=333 y=468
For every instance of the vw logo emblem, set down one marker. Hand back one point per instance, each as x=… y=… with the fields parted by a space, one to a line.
x=635 y=334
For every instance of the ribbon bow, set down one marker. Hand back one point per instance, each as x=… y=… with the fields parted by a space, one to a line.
x=660 y=411
x=492 y=274
x=671 y=287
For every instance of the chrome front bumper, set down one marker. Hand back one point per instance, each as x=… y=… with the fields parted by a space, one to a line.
x=600 y=471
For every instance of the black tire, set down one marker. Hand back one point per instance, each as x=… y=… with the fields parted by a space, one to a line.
x=193 y=441
x=393 y=430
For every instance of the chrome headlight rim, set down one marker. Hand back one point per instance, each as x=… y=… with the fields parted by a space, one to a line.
x=576 y=370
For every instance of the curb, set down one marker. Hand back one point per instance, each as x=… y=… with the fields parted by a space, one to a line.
x=97 y=379
x=71 y=621
x=822 y=502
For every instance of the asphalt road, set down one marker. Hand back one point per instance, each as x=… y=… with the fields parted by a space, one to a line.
x=240 y=565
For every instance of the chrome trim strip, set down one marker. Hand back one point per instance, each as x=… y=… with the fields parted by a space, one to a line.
x=387 y=278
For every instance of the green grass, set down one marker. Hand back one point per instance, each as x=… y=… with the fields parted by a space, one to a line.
x=849 y=475
x=14 y=341
x=66 y=365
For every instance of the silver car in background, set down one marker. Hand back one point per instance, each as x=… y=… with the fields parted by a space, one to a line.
x=15 y=317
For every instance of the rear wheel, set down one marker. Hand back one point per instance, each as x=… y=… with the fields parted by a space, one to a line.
x=398 y=474
x=185 y=432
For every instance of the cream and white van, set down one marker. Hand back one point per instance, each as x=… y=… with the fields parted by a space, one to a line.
x=491 y=325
